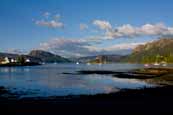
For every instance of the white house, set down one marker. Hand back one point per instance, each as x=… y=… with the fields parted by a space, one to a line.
x=6 y=60
x=12 y=60
x=28 y=60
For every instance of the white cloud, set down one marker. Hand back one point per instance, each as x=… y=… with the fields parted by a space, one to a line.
x=51 y=24
x=104 y=25
x=157 y=29
x=83 y=26
x=127 y=30
x=46 y=14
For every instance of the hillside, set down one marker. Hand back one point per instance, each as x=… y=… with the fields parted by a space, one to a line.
x=47 y=56
x=156 y=51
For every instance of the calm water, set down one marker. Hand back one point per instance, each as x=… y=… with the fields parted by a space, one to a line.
x=49 y=80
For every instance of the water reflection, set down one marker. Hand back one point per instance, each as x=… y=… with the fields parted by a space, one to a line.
x=48 y=80
x=14 y=69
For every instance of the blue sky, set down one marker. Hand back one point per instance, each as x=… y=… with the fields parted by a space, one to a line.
x=30 y=24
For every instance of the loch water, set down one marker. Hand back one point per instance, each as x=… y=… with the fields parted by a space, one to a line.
x=49 y=80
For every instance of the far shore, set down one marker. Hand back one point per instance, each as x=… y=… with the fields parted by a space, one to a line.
x=18 y=64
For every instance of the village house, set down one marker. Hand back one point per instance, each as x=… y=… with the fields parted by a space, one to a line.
x=27 y=60
x=6 y=60
x=9 y=60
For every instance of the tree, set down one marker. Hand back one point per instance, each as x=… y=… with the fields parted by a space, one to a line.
x=20 y=59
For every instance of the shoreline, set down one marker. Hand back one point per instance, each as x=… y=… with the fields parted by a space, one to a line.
x=153 y=100
x=18 y=65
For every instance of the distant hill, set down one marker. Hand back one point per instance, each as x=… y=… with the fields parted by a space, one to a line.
x=47 y=56
x=101 y=59
x=156 y=51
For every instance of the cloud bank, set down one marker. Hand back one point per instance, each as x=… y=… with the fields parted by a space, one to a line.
x=103 y=25
x=129 y=31
x=51 y=24
x=79 y=47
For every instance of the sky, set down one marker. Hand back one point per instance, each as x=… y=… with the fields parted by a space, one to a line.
x=73 y=28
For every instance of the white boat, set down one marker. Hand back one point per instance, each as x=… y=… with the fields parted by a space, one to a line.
x=146 y=65
x=100 y=64
x=156 y=64
x=164 y=64
x=88 y=63
x=77 y=63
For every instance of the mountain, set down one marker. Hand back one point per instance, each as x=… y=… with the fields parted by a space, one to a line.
x=101 y=59
x=47 y=56
x=156 y=51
